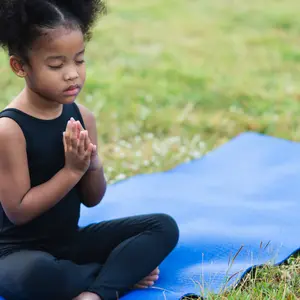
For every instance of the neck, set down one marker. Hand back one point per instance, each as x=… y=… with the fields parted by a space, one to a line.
x=40 y=105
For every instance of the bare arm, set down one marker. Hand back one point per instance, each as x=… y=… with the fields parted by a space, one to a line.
x=20 y=202
x=93 y=187
x=93 y=183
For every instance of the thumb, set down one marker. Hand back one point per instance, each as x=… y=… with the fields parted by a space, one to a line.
x=94 y=151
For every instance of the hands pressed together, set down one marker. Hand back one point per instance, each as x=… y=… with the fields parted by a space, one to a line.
x=80 y=154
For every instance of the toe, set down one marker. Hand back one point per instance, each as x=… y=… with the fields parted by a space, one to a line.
x=152 y=278
x=140 y=286
x=155 y=272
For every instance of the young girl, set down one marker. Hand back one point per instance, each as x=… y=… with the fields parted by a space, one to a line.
x=49 y=165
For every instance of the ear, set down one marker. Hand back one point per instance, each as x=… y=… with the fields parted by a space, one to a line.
x=17 y=66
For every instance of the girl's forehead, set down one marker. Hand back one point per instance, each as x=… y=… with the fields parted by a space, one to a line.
x=60 y=40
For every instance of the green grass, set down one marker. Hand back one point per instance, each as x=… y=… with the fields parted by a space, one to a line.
x=170 y=80
x=267 y=282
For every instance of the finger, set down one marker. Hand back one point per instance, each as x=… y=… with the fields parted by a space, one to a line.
x=74 y=143
x=68 y=127
x=78 y=129
x=74 y=129
x=73 y=136
x=64 y=141
x=81 y=143
x=87 y=141
x=73 y=123
x=79 y=125
x=89 y=150
x=68 y=141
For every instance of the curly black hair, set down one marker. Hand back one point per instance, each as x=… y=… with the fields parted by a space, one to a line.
x=22 y=21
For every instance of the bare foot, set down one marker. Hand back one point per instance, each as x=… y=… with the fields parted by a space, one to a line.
x=87 y=296
x=149 y=280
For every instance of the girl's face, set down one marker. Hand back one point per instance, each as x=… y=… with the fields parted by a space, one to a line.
x=57 y=69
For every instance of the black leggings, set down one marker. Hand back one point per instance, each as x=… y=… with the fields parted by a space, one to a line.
x=107 y=259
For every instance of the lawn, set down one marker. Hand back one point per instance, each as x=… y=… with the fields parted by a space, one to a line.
x=170 y=80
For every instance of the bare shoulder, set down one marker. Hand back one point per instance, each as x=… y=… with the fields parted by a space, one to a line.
x=10 y=131
x=12 y=142
x=87 y=115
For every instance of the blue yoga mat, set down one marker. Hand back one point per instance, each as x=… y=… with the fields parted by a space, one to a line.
x=243 y=198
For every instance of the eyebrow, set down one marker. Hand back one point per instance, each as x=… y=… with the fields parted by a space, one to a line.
x=81 y=52
x=55 y=57
x=63 y=57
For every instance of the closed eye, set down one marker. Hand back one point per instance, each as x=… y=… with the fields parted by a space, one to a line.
x=79 y=62
x=56 y=67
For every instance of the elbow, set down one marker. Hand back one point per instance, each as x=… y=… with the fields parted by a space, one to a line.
x=16 y=215
x=17 y=218
x=93 y=200
x=90 y=204
x=19 y=222
x=16 y=212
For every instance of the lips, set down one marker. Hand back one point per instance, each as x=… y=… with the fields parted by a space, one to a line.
x=72 y=90
x=72 y=87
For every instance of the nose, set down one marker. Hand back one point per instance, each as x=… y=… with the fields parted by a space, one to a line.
x=71 y=74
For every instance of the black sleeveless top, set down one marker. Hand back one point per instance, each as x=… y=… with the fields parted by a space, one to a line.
x=45 y=153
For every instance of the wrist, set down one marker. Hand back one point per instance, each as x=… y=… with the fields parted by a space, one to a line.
x=95 y=168
x=96 y=164
x=73 y=174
